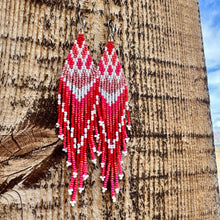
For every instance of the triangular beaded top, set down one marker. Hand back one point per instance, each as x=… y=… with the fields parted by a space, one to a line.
x=92 y=105
x=112 y=80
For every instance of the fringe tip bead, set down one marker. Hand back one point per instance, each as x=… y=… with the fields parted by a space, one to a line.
x=125 y=153
x=121 y=176
x=94 y=161
x=117 y=190
x=113 y=198
x=64 y=150
x=97 y=137
x=99 y=153
x=85 y=177
x=72 y=203
x=94 y=149
x=127 y=140
x=81 y=189
x=122 y=161
x=57 y=125
x=68 y=163
x=101 y=123
x=102 y=178
x=70 y=191
x=60 y=136
x=75 y=174
x=129 y=127
x=104 y=189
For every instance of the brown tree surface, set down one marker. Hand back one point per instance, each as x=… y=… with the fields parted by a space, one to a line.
x=170 y=171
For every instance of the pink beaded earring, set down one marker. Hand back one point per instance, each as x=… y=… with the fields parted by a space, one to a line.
x=77 y=104
x=113 y=92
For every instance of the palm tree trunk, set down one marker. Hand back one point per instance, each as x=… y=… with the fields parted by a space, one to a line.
x=170 y=171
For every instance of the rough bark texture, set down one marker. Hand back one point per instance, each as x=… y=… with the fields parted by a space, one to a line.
x=170 y=171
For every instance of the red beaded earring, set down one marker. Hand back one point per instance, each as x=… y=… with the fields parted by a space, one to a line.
x=113 y=92
x=77 y=106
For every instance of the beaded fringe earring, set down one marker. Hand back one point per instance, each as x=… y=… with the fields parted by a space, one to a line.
x=112 y=117
x=77 y=120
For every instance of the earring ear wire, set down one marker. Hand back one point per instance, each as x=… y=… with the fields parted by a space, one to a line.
x=82 y=20
x=111 y=29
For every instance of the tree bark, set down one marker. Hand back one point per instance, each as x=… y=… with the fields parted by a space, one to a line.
x=170 y=170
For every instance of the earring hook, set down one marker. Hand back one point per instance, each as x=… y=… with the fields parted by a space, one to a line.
x=111 y=29
x=82 y=21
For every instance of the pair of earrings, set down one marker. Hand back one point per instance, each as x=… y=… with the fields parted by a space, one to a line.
x=92 y=110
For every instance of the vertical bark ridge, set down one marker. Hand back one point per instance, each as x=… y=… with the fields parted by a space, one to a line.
x=141 y=185
x=178 y=89
x=192 y=196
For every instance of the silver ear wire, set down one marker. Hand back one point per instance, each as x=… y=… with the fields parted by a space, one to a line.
x=82 y=21
x=111 y=29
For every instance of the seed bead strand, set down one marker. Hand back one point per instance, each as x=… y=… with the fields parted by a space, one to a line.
x=127 y=110
x=85 y=140
x=73 y=202
x=116 y=172
x=65 y=115
x=62 y=107
x=112 y=184
x=59 y=98
x=82 y=105
x=68 y=123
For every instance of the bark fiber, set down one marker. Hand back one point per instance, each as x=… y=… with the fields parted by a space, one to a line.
x=170 y=171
